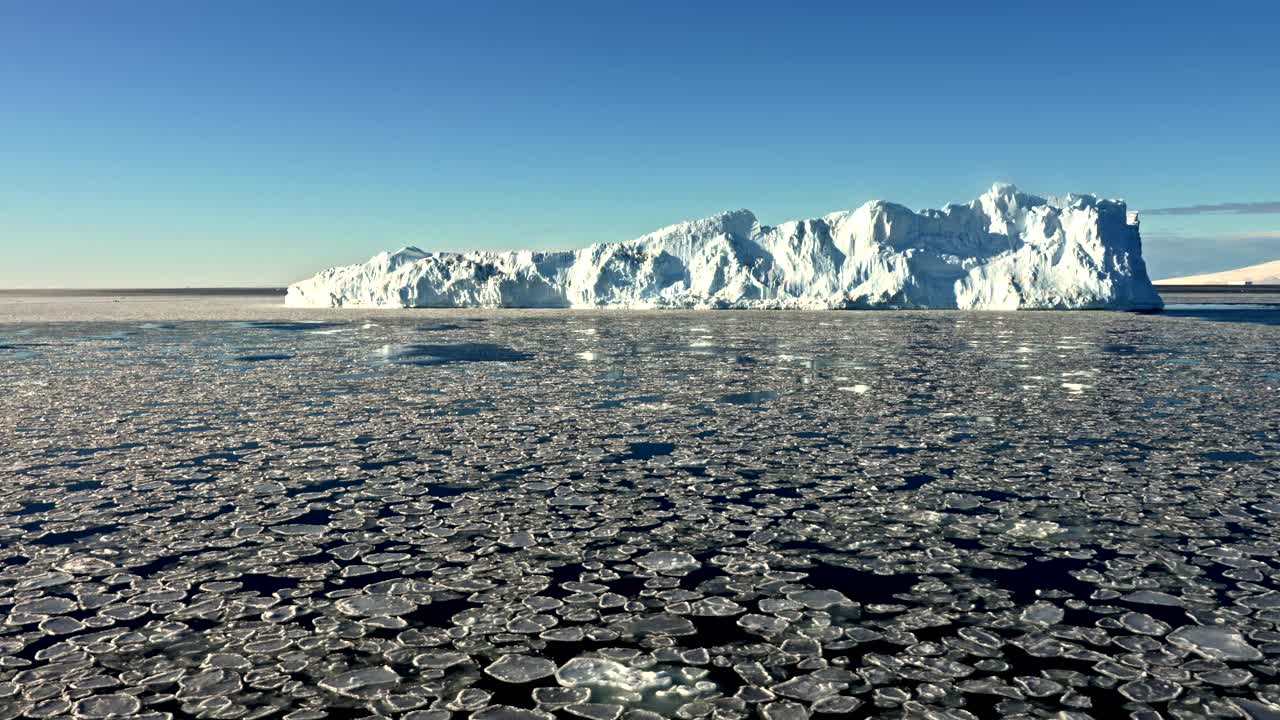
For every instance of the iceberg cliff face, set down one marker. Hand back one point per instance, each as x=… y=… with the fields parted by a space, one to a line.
x=1004 y=251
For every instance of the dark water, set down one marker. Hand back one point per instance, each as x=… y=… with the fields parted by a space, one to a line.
x=693 y=514
x=1242 y=312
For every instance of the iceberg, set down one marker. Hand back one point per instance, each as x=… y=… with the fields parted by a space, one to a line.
x=1006 y=250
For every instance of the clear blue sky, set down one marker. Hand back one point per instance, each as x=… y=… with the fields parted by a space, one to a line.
x=161 y=143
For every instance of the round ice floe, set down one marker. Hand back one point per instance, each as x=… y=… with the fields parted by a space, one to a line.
x=819 y=599
x=662 y=624
x=839 y=705
x=1265 y=601
x=1214 y=643
x=785 y=710
x=519 y=540
x=352 y=682
x=1033 y=529
x=1150 y=690
x=508 y=712
x=86 y=565
x=1153 y=597
x=375 y=606
x=1143 y=624
x=668 y=561
x=596 y=711
x=1229 y=677
x=554 y=697
x=470 y=699
x=520 y=668
x=716 y=606
x=440 y=660
x=229 y=661
x=1042 y=613
x=116 y=705
x=807 y=689
x=60 y=626
x=209 y=683
x=302 y=529
x=762 y=624
x=566 y=634
x=611 y=676
x=44 y=606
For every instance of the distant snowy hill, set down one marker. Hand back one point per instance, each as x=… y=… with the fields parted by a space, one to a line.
x=1004 y=251
x=1267 y=273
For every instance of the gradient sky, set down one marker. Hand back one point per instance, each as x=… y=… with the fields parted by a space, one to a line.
x=169 y=144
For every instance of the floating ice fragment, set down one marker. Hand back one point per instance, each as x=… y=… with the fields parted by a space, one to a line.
x=470 y=699
x=819 y=599
x=1042 y=613
x=837 y=706
x=1144 y=624
x=375 y=606
x=350 y=683
x=209 y=683
x=1037 y=529
x=508 y=712
x=668 y=561
x=784 y=710
x=1229 y=677
x=1153 y=597
x=520 y=668
x=807 y=688
x=1150 y=690
x=554 y=697
x=661 y=624
x=1256 y=709
x=1265 y=601
x=44 y=606
x=1214 y=642
x=84 y=565
x=762 y=624
x=300 y=529
x=610 y=676
x=115 y=705
x=596 y=711
x=521 y=539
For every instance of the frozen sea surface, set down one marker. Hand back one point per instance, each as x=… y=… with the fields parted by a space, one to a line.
x=235 y=511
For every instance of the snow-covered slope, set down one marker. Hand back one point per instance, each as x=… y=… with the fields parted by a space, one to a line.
x=1006 y=250
x=1267 y=273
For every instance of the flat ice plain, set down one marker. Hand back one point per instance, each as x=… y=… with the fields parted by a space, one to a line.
x=224 y=508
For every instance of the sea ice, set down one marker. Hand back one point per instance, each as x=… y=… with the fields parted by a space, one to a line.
x=1214 y=643
x=819 y=553
x=107 y=706
x=349 y=683
x=520 y=668
x=668 y=561
x=615 y=683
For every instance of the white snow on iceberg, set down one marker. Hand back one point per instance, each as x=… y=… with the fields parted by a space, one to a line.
x=1004 y=251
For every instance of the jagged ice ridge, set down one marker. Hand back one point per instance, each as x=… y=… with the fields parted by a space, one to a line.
x=1006 y=250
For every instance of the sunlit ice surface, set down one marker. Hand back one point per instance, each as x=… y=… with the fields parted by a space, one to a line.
x=614 y=514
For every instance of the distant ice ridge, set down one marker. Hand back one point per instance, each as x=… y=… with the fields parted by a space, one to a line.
x=1006 y=250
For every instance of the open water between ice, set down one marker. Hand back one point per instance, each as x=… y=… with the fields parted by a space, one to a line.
x=503 y=515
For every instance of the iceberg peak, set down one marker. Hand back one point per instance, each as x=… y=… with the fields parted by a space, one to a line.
x=1002 y=189
x=1006 y=250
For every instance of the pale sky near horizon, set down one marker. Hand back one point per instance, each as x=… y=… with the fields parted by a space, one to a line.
x=146 y=143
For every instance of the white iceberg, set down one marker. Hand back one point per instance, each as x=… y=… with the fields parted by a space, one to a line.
x=1004 y=251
